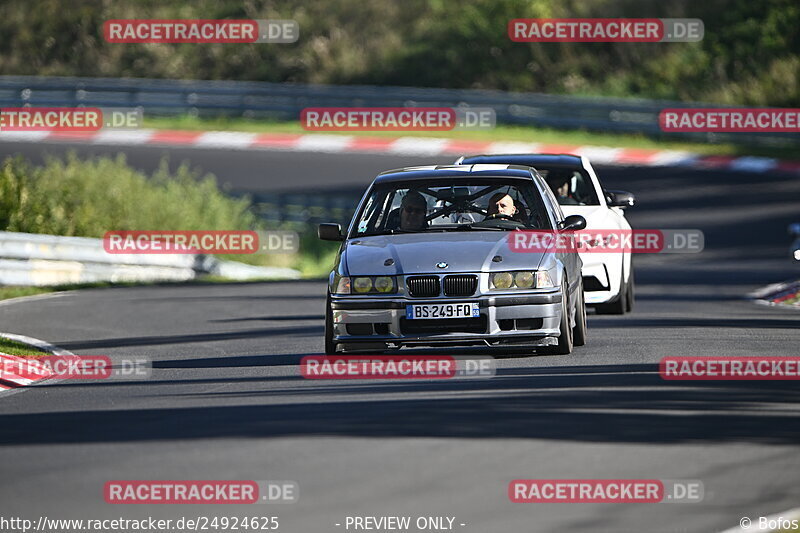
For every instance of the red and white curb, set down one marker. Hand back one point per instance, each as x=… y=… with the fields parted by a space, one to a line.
x=417 y=146
x=29 y=371
x=32 y=372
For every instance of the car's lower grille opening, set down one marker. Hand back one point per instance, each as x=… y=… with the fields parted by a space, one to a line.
x=359 y=329
x=450 y=325
x=506 y=324
x=591 y=283
x=460 y=285
x=382 y=329
x=530 y=323
x=423 y=286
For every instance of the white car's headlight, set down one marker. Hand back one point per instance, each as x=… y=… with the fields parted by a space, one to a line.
x=523 y=279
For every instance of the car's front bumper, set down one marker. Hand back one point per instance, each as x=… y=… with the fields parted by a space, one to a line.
x=602 y=277
x=522 y=319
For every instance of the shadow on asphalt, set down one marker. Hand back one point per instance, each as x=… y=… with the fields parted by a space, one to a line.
x=278 y=318
x=692 y=322
x=303 y=331
x=594 y=403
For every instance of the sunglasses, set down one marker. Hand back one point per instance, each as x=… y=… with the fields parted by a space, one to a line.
x=414 y=210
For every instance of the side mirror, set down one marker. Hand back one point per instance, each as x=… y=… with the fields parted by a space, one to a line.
x=621 y=199
x=330 y=232
x=573 y=223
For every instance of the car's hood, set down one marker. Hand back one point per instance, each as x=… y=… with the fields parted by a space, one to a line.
x=469 y=251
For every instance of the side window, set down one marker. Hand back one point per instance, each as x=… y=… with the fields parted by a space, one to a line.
x=369 y=213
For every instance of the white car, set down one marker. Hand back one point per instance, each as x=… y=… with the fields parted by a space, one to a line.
x=608 y=279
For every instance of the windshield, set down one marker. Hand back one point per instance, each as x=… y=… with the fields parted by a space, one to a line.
x=452 y=205
x=570 y=186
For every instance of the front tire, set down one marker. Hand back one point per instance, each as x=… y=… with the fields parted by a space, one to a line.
x=618 y=306
x=631 y=293
x=579 y=331
x=564 y=346
x=330 y=346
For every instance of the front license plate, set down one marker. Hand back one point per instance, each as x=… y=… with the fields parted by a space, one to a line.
x=429 y=311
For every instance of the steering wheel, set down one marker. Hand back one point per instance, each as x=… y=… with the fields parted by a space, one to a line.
x=501 y=216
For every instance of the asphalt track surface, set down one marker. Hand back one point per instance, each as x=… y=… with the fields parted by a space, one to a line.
x=226 y=400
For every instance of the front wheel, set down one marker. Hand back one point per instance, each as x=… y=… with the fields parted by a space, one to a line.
x=579 y=331
x=330 y=346
x=564 y=346
x=618 y=306
x=630 y=293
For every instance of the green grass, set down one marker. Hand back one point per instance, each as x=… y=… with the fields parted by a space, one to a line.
x=7 y=346
x=500 y=133
x=18 y=292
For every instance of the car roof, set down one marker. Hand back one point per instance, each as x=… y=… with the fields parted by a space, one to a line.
x=455 y=171
x=531 y=160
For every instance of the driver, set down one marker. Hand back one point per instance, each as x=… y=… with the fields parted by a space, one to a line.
x=501 y=204
x=413 y=209
x=559 y=184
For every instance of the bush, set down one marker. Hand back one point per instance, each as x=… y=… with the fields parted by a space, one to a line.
x=87 y=198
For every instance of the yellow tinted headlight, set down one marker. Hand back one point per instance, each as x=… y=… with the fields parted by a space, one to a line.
x=362 y=285
x=502 y=280
x=524 y=280
x=384 y=284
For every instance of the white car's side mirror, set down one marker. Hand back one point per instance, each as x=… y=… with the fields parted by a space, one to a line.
x=621 y=199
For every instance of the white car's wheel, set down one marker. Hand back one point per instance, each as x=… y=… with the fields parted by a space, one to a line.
x=630 y=294
x=619 y=305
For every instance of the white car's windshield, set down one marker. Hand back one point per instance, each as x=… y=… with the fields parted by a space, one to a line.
x=452 y=205
x=571 y=186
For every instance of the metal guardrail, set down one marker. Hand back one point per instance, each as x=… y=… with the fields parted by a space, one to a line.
x=43 y=260
x=286 y=100
x=303 y=212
